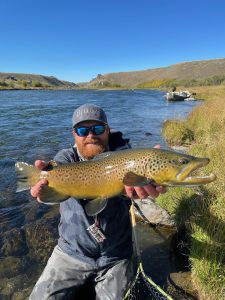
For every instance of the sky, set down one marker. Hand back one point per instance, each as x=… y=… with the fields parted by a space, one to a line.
x=76 y=40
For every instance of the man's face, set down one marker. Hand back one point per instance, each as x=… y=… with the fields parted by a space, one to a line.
x=91 y=145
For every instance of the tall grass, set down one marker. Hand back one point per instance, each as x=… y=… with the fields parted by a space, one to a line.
x=211 y=81
x=202 y=210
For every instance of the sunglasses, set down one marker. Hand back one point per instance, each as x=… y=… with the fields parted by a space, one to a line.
x=84 y=131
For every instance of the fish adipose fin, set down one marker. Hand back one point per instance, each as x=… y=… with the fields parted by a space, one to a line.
x=132 y=179
x=94 y=207
x=49 y=195
x=27 y=176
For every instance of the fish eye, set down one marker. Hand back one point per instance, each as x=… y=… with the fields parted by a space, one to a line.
x=183 y=161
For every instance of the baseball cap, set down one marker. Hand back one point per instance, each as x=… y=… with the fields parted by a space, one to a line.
x=89 y=112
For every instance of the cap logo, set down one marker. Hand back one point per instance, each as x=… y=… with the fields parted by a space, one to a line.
x=87 y=111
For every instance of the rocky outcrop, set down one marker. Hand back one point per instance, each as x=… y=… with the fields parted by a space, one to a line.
x=150 y=212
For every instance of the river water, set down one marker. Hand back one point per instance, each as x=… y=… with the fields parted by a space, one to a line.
x=36 y=125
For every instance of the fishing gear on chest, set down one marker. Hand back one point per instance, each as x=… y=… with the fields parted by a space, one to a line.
x=96 y=231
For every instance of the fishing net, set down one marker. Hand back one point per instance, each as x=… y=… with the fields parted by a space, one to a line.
x=142 y=287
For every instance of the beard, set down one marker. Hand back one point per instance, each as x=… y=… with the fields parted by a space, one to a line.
x=92 y=147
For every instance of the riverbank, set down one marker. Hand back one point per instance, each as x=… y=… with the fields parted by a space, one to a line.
x=201 y=211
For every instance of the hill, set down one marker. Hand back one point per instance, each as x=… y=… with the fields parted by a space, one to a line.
x=186 y=70
x=27 y=81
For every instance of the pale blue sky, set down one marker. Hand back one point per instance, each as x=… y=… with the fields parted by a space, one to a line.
x=77 y=39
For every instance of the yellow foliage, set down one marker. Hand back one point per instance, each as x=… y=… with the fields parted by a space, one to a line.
x=156 y=83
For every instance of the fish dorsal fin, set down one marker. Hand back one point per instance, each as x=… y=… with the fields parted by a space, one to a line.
x=102 y=155
x=50 y=195
x=51 y=165
x=95 y=206
x=132 y=179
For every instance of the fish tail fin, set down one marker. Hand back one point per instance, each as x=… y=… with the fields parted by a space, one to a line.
x=27 y=176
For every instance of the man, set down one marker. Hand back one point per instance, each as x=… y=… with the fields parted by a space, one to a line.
x=96 y=249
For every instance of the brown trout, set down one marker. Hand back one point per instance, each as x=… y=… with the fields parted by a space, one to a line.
x=105 y=176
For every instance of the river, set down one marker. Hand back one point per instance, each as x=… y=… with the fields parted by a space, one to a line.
x=35 y=125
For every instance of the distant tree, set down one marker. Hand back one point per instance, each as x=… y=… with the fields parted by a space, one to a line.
x=3 y=83
x=47 y=86
x=11 y=84
x=24 y=83
x=36 y=83
x=173 y=88
x=104 y=84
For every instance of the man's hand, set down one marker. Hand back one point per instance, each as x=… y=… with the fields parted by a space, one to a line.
x=36 y=189
x=142 y=192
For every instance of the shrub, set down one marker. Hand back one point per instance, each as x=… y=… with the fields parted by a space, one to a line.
x=24 y=83
x=156 y=83
x=177 y=133
x=36 y=84
x=3 y=84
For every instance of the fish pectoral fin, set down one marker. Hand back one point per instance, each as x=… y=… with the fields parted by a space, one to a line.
x=132 y=179
x=95 y=206
x=50 y=195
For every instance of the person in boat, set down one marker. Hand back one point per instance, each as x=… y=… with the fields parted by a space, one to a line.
x=95 y=249
x=173 y=89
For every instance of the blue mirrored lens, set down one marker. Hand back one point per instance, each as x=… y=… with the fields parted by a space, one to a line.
x=96 y=130
x=82 y=131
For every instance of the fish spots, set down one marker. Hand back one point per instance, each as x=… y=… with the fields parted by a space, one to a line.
x=105 y=176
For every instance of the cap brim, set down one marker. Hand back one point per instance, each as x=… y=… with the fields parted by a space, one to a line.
x=95 y=120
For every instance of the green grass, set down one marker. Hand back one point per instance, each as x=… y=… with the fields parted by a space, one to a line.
x=177 y=132
x=202 y=210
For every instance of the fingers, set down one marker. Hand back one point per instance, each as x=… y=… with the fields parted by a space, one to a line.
x=150 y=190
x=140 y=192
x=41 y=164
x=129 y=191
x=161 y=189
x=143 y=192
x=36 y=189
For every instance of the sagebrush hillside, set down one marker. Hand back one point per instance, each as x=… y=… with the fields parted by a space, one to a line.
x=186 y=70
x=18 y=80
x=196 y=73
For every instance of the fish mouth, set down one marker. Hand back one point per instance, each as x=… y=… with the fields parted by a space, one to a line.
x=186 y=175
